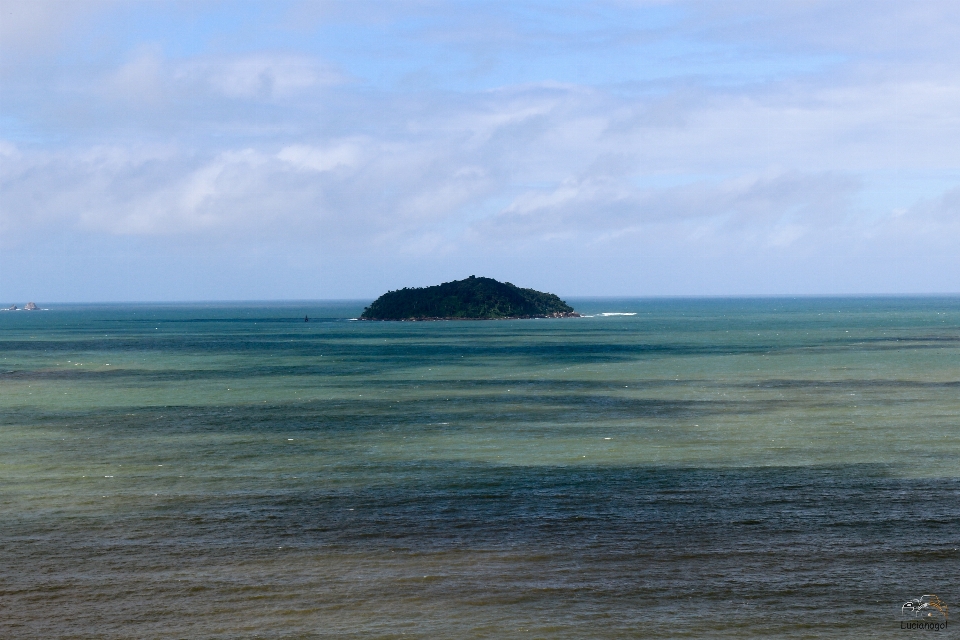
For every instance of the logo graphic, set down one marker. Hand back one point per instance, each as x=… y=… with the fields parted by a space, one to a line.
x=928 y=613
x=927 y=606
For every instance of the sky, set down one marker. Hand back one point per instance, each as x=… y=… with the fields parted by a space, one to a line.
x=201 y=150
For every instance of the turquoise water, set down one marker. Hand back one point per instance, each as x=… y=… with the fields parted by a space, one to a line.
x=704 y=468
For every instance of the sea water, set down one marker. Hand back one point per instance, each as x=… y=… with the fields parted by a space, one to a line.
x=702 y=468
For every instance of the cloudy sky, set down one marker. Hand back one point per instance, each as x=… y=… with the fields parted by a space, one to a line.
x=271 y=150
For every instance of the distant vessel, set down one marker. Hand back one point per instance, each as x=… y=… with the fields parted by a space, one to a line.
x=30 y=307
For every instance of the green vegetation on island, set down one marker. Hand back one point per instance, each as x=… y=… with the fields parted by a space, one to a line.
x=469 y=299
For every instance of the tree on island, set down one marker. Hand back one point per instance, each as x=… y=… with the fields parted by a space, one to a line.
x=471 y=298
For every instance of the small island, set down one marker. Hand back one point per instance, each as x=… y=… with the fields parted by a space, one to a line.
x=470 y=299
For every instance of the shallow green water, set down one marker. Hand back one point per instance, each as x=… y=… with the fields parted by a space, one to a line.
x=704 y=468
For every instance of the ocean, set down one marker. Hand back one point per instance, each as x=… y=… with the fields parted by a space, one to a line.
x=702 y=468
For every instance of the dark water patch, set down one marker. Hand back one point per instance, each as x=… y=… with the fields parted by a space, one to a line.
x=853 y=383
x=413 y=351
x=627 y=545
x=371 y=414
x=334 y=374
x=911 y=340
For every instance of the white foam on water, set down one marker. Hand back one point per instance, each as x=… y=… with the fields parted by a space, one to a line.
x=618 y=314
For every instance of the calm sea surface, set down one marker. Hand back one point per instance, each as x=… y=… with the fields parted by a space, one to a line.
x=703 y=468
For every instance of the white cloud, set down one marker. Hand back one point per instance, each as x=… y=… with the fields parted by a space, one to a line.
x=311 y=158
x=148 y=80
x=773 y=210
x=264 y=76
x=120 y=192
x=141 y=81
